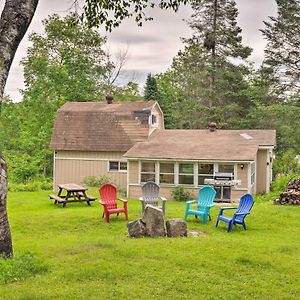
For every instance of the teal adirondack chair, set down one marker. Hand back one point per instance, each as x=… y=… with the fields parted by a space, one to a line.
x=205 y=202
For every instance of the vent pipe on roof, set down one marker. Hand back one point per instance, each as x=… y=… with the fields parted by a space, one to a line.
x=109 y=99
x=212 y=126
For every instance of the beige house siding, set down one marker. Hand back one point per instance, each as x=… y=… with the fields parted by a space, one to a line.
x=261 y=172
x=242 y=174
x=133 y=166
x=74 y=166
x=157 y=111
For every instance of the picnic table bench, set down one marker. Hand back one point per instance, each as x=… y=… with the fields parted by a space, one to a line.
x=74 y=193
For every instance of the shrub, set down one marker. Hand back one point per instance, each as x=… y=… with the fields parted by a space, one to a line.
x=21 y=267
x=93 y=181
x=180 y=194
x=32 y=186
x=281 y=182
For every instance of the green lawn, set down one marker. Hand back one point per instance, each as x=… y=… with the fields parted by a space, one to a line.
x=89 y=259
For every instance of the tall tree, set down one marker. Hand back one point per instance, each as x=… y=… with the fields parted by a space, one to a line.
x=282 y=52
x=209 y=67
x=66 y=62
x=151 y=91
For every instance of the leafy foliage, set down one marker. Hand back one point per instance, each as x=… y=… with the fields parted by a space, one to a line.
x=180 y=194
x=112 y=13
x=93 y=181
x=207 y=69
x=282 y=52
x=281 y=182
x=287 y=164
x=151 y=91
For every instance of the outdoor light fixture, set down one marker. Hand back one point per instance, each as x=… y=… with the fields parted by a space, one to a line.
x=242 y=166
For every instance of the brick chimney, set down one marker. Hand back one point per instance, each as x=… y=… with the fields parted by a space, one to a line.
x=109 y=99
x=212 y=126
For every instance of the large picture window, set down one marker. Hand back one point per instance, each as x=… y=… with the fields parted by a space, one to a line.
x=166 y=174
x=186 y=174
x=205 y=171
x=147 y=171
x=117 y=166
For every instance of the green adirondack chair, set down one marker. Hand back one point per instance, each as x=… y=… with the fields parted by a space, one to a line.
x=204 y=203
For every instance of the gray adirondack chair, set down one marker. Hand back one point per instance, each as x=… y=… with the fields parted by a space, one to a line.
x=150 y=191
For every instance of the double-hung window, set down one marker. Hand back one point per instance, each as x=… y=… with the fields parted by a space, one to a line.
x=226 y=168
x=186 y=174
x=147 y=171
x=205 y=171
x=166 y=173
x=117 y=166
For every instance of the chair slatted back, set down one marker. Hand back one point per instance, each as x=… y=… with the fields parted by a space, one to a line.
x=207 y=196
x=246 y=203
x=108 y=194
x=150 y=191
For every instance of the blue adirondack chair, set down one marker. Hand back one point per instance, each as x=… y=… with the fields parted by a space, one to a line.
x=205 y=202
x=246 y=203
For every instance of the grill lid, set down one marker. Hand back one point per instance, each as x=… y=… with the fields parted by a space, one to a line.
x=223 y=176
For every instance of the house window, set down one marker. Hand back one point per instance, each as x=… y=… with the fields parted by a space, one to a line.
x=166 y=174
x=117 y=166
x=147 y=171
x=226 y=168
x=205 y=171
x=186 y=174
x=252 y=173
x=154 y=120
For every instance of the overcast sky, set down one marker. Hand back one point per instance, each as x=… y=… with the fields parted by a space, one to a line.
x=151 y=47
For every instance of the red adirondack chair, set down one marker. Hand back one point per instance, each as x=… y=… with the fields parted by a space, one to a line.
x=108 y=194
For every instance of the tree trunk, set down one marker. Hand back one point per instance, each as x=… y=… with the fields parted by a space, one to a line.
x=15 y=20
x=213 y=56
x=5 y=236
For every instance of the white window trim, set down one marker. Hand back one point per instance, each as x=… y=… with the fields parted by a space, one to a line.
x=140 y=171
x=209 y=175
x=119 y=170
x=155 y=125
x=189 y=174
x=163 y=183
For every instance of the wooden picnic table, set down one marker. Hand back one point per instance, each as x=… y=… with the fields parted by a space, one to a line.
x=73 y=193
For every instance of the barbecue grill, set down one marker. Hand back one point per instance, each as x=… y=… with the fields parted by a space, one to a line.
x=222 y=183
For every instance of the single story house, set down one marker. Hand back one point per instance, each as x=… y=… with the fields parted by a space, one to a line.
x=128 y=142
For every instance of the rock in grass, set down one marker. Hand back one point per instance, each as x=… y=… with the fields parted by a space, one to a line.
x=153 y=218
x=176 y=227
x=136 y=229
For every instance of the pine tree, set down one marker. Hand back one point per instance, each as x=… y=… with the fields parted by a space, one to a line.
x=151 y=91
x=282 y=52
x=208 y=67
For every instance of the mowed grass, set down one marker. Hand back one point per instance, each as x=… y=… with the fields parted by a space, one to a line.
x=89 y=259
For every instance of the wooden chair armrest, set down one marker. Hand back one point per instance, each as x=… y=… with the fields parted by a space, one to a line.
x=163 y=198
x=122 y=200
x=102 y=203
x=141 y=198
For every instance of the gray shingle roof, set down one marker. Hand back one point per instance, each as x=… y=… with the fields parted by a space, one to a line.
x=95 y=126
x=203 y=144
